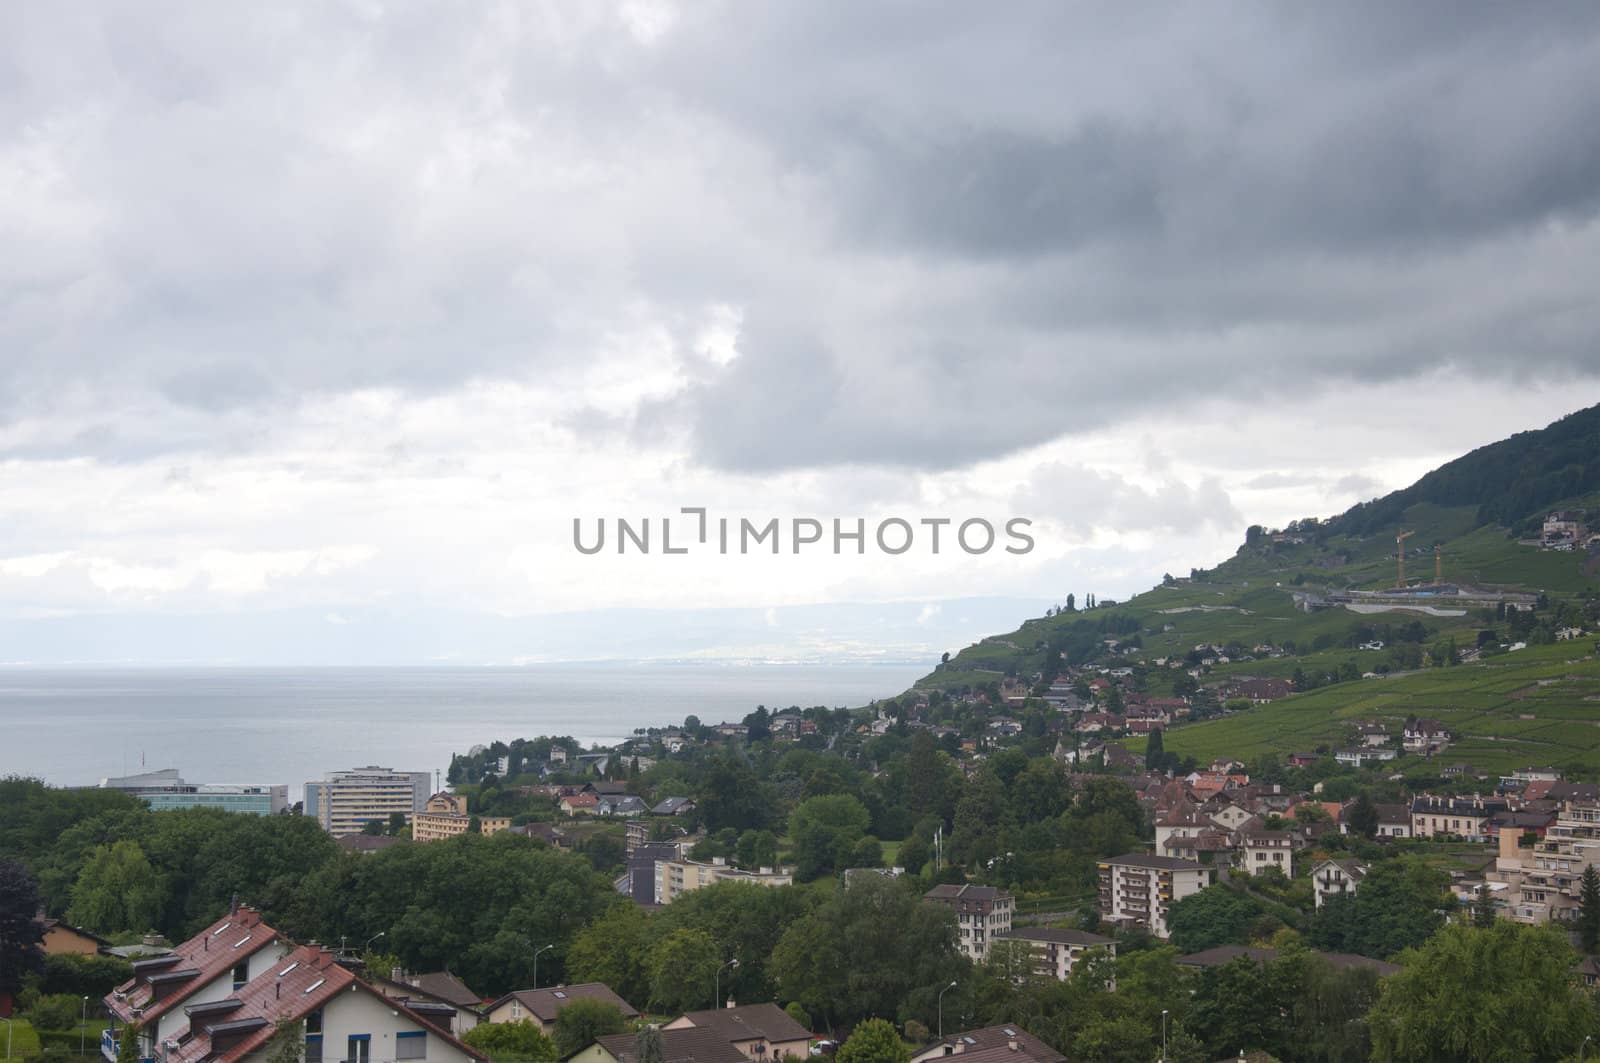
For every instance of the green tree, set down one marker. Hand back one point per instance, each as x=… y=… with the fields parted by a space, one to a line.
x=913 y=854
x=1505 y=992
x=1214 y=916
x=287 y=1043
x=614 y=951
x=584 y=1020
x=1589 y=909
x=683 y=966
x=117 y=890
x=1236 y=1006
x=20 y=932
x=1398 y=906
x=757 y=848
x=824 y=831
x=873 y=948
x=648 y=1046
x=1363 y=816
x=513 y=1042
x=1154 y=751
x=874 y=1041
x=128 y=1043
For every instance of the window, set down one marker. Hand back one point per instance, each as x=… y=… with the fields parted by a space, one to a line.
x=359 y=1048
x=516 y=1010
x=411 y=1044
x=314 y=1048
x=241 y=974
x=314 y=1022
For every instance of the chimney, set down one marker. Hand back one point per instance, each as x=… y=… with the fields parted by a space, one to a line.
x=1012 y=1044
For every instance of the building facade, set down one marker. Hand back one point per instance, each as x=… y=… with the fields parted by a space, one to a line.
x=1057 y=952
x=1138 y=890
x=166 y=789
x=678 y=876
x=982 y=913
x=445 y=816
x=344 y=802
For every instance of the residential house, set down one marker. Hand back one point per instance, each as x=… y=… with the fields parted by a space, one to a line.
x=65 y=939
x=582 y=804
x=548 y=833
x=691 y=1045
x=337 y=1015
x=1261 y=849
x=674 y=806
x=210 y=966
x=992 y=1044
x=438 y=996
x=1373 y=734
x=1463 y=817
x=1335 y=878
x=1223 y=955
x=1358 y=756
x=1394 y=821
x=1056 y=952
x=445 y=816
x=541 y=1006
x=981 y=913
x=1137 y=890
x=1426 y=737
x=620 y=805
x=1302 y=760
x=759 y=1031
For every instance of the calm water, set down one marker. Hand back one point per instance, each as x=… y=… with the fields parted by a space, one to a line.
x=291 y=725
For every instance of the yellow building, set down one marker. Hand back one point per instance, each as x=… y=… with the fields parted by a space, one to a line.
x=677 y=877
x=445 y=816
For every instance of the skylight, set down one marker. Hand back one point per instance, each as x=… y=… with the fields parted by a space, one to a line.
x=220 y=929
x=314 y=985
x=289 y=968
x=242 y=941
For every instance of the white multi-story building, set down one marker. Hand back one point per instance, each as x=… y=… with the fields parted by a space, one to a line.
x=1057 y=952
x=981 y=913
x=1138 y=890
x=344 y=802
x=677 y=877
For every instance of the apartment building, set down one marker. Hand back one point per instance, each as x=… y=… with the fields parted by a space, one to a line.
x=344 y=802
x=166 y=789
x=1543 y=879
x=445 y=816
x=678 y=876
x=1057 y=952
x=1137 y=890
x=982 y=913
x=1463 y=817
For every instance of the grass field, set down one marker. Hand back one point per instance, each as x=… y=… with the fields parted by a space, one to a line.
x=1540 y=705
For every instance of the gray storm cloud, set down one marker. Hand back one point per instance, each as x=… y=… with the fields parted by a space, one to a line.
x=950 y=234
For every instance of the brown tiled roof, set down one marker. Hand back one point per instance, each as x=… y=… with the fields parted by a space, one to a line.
x=1223 y=954
x=947 y=891
x=691 y=1045
x=750 y=1022
x=984 y=1046
x=300 y=983
x=442 y=985
x=544 y=1003
x=1162 y=863
x=158 y=986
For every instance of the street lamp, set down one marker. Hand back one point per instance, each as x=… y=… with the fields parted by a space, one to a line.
x=1581 y=1048
x=83 y=1027
x=8 y=1037
x=717 y=985
x=536 y=962
x=942 y=992
x=370 y=940
x=1163 y=1035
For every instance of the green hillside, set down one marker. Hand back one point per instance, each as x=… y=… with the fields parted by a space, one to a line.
x=1540 y=705
x=1268 y=607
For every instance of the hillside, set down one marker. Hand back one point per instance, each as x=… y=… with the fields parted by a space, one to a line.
x=1302 y=601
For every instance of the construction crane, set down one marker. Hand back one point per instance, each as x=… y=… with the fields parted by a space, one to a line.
x=1400 y=553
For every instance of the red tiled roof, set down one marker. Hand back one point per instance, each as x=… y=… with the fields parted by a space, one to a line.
x=158 y=986
x=297 y=985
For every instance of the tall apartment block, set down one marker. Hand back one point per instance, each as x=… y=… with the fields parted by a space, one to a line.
x=344 y=802
x=1138 y=890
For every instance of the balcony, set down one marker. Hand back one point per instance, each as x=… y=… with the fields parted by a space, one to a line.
x=108 y=1048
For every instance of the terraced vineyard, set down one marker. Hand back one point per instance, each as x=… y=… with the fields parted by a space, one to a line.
x=1540 y=705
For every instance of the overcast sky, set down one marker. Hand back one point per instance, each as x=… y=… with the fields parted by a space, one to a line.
x=340 y=310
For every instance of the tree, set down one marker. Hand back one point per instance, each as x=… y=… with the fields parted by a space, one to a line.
x=118 y=889
x=648 y=1046
x=1479 y=995
x=287 y=1043
x=683 y=966
x=1483 y=910
x=874 y=1041
x=893 y=950
x=128 y=1043
x=913 y=854
x=397 y=823
x=613 y=950
x=1397 y=906
x=20 y=931
x=1363 y=816
x=1154 y=751
x=583 y=1021
x=513 y=1042
x=1214 y=916
x=1589 y=909
x=825 y=831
